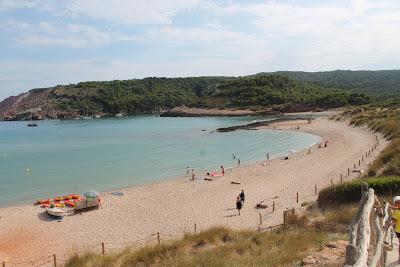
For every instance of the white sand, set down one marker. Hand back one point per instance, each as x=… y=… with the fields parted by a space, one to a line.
x=173 y=207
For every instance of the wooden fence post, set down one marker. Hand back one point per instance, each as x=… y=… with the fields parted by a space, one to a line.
x=354 y=166
x=315 y=190
x=55 y=260
x=273 y=205
x=195 y=228
x=103 y=251
x=297 y=197
x=348 y=171
x=260 y=219
x=158 y=238
x=284 y=218
x=341 y=178
x=359 y=162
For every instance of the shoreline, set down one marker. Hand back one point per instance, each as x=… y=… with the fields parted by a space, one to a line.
x=199 y=172
x=31 y=202
x=171 y=207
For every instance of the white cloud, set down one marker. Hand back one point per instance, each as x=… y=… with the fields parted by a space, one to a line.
x=12 y=4
x=131 y=12
x=265 y=36
x=118 y=11
x=46 y=33
x=335 y=34
x=197 y=35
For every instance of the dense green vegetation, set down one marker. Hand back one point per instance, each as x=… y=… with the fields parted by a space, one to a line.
x=154 y=94
x=135 y=96
x=281 y=92
x=384 y=81
x=349 y=192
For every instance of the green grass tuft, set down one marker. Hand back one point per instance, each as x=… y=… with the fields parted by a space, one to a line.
x=350 y=192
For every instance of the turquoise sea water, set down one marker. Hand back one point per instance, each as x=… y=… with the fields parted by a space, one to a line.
x=60 y=157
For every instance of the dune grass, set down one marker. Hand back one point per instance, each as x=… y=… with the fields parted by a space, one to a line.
x=217 y=247
x=387 y=122
x=350 y=192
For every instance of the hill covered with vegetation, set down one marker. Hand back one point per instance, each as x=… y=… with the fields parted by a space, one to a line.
x=381 y=82
x=149 y=95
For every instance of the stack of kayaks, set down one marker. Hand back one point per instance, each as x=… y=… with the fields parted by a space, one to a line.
x=60 y=202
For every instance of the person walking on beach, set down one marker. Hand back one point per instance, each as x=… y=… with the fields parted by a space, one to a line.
x=222 y=170
x=238 y=162
x=242 y=196
x=187 y=171
x=238 y=204
x=193 y=175
x=233 y=157
x=267 y=156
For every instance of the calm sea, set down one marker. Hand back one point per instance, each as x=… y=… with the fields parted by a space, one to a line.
x=60 y=157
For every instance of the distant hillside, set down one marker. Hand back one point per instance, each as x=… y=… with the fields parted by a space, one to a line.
x=383 y=81
x=150 y=95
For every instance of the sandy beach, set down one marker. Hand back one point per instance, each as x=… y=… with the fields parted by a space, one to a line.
x=173 y=207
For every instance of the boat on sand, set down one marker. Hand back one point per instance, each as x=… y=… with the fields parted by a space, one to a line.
x=56 y=212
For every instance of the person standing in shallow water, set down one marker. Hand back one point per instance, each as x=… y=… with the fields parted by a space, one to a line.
x=238 y=204
x=222 y=170
x=193 y=175
x=242 y=196
x=238 y=162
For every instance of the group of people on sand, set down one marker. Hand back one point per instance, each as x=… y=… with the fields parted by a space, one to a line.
x=240 y=201
x=192 y=174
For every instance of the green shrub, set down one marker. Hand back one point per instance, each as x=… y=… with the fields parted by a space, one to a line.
x=350 y=192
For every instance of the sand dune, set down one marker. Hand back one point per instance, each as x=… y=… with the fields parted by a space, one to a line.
x=173 y=207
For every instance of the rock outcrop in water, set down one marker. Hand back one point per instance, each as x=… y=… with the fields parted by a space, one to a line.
x=256 y=125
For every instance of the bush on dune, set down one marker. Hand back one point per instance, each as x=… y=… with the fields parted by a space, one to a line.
x=350 y=192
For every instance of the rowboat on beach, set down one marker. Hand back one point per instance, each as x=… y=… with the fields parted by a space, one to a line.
x=56 y=212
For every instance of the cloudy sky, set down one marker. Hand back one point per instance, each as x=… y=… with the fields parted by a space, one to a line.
x=50 y=42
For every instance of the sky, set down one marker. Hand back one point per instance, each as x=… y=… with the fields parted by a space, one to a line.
x=48 y=42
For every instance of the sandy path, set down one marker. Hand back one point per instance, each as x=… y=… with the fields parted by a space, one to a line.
x=173 y=207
